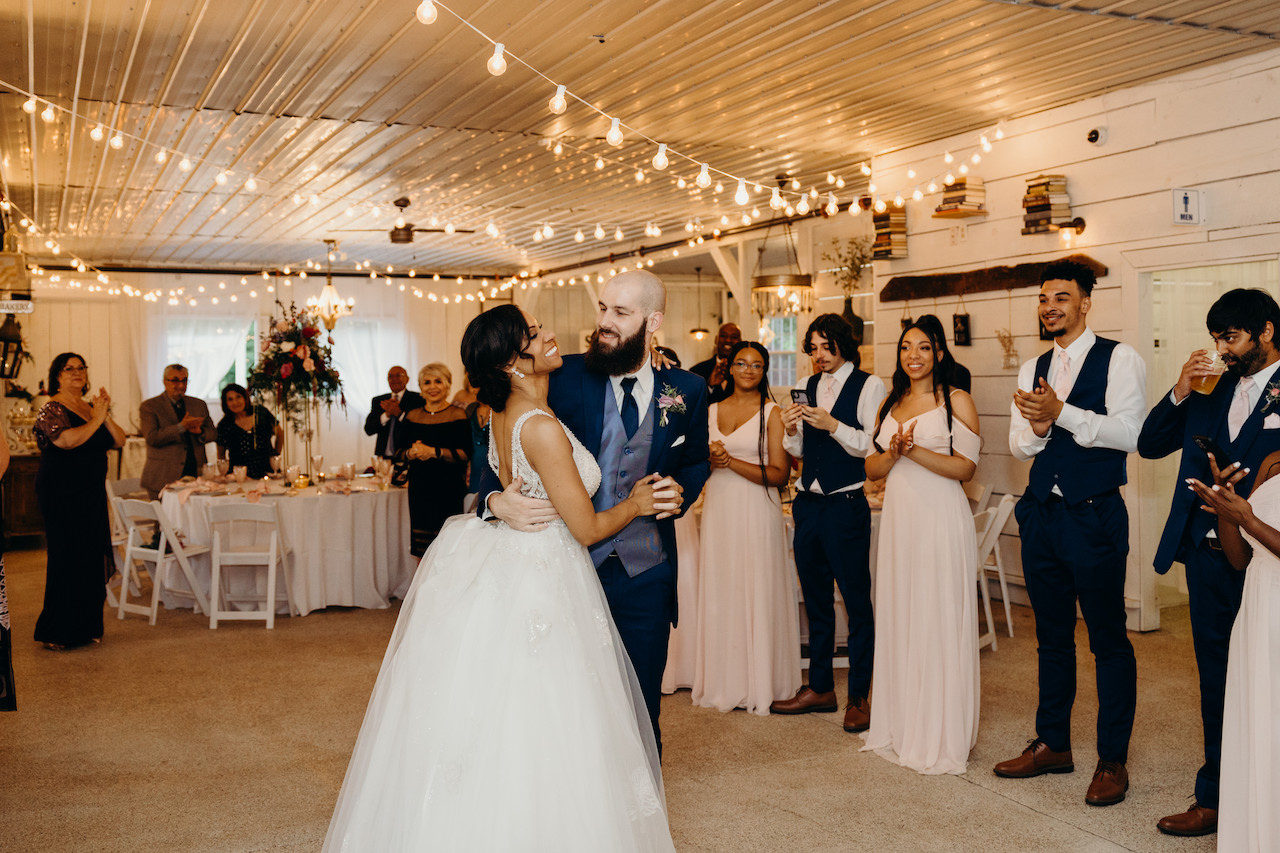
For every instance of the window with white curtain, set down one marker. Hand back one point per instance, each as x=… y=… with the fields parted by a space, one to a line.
x=208 y=347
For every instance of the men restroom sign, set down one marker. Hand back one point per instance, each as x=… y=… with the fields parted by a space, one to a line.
x=1188 y=207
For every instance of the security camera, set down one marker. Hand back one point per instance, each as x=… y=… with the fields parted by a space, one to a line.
x=1097 y=136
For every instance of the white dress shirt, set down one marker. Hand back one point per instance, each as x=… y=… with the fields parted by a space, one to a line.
x=1126 y=402
x=642 y=390
x=856 y=442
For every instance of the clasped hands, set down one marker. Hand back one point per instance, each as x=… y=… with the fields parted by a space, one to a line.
x=421 y=451
x=528 y=515
x=1040 y=406
x=100 y=403
x=1221 y=498
x=814 y=416
x=902 y=442
x=719 y=457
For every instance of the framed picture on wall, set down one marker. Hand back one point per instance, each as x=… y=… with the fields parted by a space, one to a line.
x=960 y=330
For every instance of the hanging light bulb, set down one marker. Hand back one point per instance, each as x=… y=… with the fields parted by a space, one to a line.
x=741 y=196
x=898 y=201
x=599 y=232
x=775 y=200
x=964 y=168
x=660 y=161
x=185 y=165
x=917 y=195
x=558 y=149
x=548 y=231
x=949 y=179
x=220 y=179
x=29 y=106
x=704 y=177
x=449 y=228
x=831 y=178
x=976 y=158
x=911 y=173
x=813 y=193
x=719 y=186
x=251 y=185
x=880 y=206
x=491 y=229
x=871 y=187
x=617 y=233
x=639 y=176
x=795 y=183
x=497 y=65
x=96 y=134
x=48 y=114
x=985 y=143
x=117 y=142
x=614 y=136
x=839 y=183
x=833 y=207
x=599 y=162
x=400 y=223
x=865 y=169
x=681 y=183
x=558 y=104
x=933 y=187
x=947 y=158
x=537 y=235
x=578 y=236
x=802 y=207
x=1000 y=130
x=161 y=156
x=789 y=210
x=426 y=12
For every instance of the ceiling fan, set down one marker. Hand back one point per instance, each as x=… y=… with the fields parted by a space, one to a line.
x=402 y=232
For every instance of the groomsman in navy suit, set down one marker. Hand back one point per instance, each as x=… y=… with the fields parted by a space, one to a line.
x=636 y=420
x=1076 y=414
x=1242 y=414
x=832 y=431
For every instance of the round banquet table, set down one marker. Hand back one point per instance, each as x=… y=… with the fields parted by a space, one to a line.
x=344 y=550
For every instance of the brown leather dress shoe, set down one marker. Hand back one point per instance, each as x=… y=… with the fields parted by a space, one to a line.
x=857 y=715
x=1036 y=759
x=1110 y=781
x=1196 y=820
x=806 y=701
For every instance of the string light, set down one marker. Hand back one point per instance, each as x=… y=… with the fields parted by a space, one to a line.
x=426 y=12
x=96 y=134
x=614 y=136
x=557 y=104
x=741 y=196
x=660 y=161
x=497 y=65
x=117 y=142
x=704 y=176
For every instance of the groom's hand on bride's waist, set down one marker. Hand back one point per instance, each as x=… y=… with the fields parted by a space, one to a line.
x=521 y=513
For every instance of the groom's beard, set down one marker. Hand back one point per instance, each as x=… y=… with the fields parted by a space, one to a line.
x=619 y=360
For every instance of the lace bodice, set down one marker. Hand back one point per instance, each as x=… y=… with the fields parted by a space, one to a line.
x=588 y=469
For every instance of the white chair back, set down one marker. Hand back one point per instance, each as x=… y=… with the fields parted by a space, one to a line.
x=982 y=525
x=979 y=495
x=247 y=535
x=989 y=559
x=167 y=551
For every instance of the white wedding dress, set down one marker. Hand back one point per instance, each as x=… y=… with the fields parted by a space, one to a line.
x=506 y=715
x=1248 y=819
x=924 y=703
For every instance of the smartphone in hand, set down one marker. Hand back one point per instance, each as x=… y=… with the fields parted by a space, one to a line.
x=1208 y=445
x=800 y=397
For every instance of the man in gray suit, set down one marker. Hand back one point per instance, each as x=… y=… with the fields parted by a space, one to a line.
x=176 y=428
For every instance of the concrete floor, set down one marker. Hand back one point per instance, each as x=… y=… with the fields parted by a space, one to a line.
x=181 y=738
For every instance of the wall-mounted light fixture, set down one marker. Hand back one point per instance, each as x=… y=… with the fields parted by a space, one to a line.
x=1071 y=229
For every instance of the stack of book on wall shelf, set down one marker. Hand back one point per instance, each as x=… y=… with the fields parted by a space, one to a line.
x=966 y=197
x=1046 y=204
x=891 y=233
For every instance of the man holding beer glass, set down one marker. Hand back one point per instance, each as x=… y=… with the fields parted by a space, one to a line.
x=1237 y=411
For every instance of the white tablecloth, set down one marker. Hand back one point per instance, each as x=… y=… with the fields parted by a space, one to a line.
x=346 y=550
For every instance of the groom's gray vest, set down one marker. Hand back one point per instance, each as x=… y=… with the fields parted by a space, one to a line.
x=622 y=462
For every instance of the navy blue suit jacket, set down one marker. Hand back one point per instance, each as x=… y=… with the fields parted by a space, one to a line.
x=577 y=398
x=1169 y=428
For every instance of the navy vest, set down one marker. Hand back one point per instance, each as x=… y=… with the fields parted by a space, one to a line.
x=1079 y=473
x=622 y=462
x=824 y=458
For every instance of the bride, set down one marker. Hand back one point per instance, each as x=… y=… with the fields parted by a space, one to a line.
x=506 y=715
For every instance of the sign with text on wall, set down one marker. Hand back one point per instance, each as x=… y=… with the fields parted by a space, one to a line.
x=16 y=306
x=1188 y=207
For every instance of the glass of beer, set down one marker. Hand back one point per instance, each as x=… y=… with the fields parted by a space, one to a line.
x=1206 y=384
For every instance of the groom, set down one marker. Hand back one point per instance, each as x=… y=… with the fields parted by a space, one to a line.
x=636 y=420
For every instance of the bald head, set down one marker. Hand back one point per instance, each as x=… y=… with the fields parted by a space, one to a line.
x=640 y=288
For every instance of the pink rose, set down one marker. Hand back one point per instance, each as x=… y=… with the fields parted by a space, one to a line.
x=282 y=326
x=666 y=402
x=308 y=365
x=303 y=352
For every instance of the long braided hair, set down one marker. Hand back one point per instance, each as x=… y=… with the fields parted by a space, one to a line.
x=942 y=369
x=765 y=397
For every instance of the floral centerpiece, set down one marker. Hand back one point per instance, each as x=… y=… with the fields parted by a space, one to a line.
x=295 y=368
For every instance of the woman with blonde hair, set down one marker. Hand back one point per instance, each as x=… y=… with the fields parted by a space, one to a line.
x=435 y=442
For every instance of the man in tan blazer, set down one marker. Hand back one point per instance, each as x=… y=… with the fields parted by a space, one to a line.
x=176 y=428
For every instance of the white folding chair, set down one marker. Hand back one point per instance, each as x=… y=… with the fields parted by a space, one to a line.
x=117 y=489
x=983 y=523
x=989 y=559
x=979 y=494
x=167 y=553
x=246 y=535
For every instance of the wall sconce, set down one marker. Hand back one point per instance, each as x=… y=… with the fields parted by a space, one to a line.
x=1070 y=229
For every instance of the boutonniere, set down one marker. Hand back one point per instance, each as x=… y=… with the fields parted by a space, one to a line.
x=1270 y=395
x=670 y=401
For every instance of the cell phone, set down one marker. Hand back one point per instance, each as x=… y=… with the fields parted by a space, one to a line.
x=800 y=397
x=1208 y=445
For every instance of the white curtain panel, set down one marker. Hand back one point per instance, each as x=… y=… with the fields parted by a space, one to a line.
x=207 y=347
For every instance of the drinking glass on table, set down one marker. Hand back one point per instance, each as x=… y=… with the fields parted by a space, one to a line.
x=348 y=470
x=209 y=471
x=1206 y=384
x=224 y=465
x=291 y=473
x=275 y=464
x=241 y=473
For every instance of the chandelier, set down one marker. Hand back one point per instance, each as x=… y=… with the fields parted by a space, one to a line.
x=328 y=306
x=788 y=293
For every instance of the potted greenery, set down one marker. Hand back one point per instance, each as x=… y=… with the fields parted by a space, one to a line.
x=850 y=259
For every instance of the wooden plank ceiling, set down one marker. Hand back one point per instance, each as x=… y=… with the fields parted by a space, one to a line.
x=336 y=107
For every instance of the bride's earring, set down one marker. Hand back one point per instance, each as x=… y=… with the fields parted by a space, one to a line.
x=517 y=374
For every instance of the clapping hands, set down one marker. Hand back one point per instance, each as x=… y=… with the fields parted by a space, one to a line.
x=902 y=442
x=100 y=404
x=1040 y=406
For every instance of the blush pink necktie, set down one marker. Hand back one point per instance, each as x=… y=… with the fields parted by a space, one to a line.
x=1239 y=412
x=1062 y=376
x=827 y=393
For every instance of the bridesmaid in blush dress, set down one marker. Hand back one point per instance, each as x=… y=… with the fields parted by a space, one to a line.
x=925 y=673
x=748 y=646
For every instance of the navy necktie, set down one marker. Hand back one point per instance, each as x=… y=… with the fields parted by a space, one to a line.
x=630 y=409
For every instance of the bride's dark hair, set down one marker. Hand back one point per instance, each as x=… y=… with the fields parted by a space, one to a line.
x=488 y=345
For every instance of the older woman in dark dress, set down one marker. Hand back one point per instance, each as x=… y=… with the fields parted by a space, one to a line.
x=74 y=436
x=248 y=435
x=436 y=441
